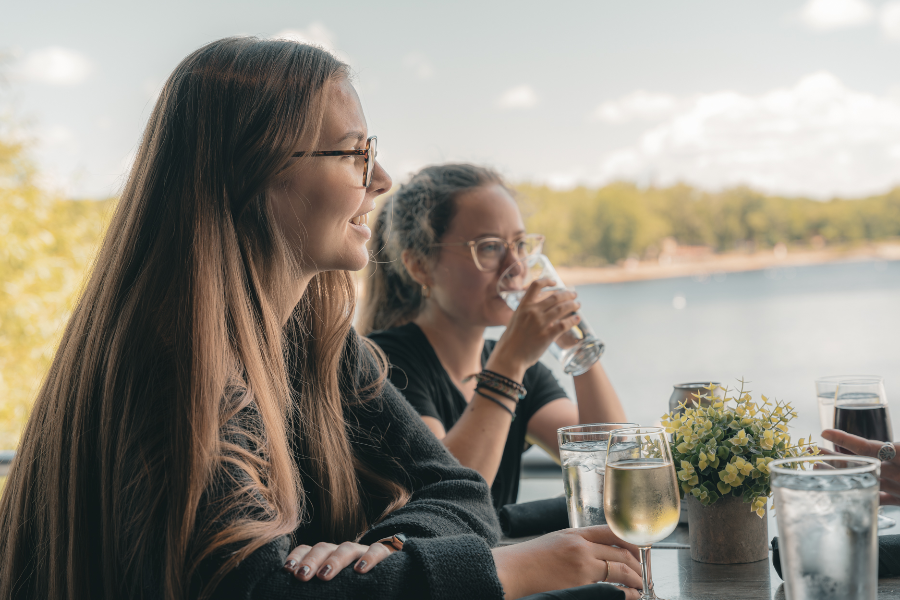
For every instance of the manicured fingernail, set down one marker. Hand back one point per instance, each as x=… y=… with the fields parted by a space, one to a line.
x=324 y=571
x=304 y=571
x=361 y=565
x=290 y=565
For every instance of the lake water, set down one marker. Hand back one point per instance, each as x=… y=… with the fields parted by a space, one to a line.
x=779 y=329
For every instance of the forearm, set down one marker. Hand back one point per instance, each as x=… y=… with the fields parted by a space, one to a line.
x=597 y=399
x=478 y=438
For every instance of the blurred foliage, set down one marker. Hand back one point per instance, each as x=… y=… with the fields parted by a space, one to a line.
x=47 y=244
x=593 y=227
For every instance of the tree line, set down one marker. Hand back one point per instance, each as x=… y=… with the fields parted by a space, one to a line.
x=48 y=243
x=594 y=227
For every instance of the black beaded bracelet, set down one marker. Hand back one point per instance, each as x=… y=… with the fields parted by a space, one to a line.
x=498 y=382
x=497 y=402
x=499 y=390
x=503 y=378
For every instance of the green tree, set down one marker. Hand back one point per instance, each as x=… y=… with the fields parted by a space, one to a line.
x=46 y=246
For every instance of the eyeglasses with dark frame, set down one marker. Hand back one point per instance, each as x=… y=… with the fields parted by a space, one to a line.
x=490 y=252
x=370 y=152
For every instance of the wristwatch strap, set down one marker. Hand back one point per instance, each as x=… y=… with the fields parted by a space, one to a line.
x=395 y=541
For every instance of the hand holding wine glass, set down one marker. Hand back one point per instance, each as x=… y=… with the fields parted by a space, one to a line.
x=890 y=469
x=861 y=409
x=641 y=499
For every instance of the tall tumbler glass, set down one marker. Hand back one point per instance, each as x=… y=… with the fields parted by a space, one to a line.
x=582 y=452
x=578 y=348
x=826 y=388
x=826 y=523
x=861 y=408
x=641 y=498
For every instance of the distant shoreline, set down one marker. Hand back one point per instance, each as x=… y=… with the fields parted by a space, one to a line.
x=725 y=263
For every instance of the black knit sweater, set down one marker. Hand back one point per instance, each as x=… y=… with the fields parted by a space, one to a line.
x=449 y=519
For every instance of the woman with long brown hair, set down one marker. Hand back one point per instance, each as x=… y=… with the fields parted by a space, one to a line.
x=211 y=426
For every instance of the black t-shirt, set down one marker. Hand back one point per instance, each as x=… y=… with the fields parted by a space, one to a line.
x=417 y=372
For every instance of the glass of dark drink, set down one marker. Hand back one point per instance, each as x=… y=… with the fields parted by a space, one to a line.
x=861 y=408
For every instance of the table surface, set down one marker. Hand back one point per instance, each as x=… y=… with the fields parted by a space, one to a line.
x=677 y=577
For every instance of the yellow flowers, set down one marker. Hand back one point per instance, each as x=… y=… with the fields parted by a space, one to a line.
x=730 y=475
x=759 y=506
x=741 y=438
x=725 y=445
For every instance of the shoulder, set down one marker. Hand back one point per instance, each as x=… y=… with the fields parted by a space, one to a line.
x=396 y=338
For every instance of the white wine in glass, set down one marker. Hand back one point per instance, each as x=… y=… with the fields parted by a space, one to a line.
x=640 y=498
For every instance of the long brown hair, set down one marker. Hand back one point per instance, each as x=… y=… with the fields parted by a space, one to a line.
x=129 y=428
x=414 y=218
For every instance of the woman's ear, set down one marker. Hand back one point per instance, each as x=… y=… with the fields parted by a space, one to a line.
x=416 y=268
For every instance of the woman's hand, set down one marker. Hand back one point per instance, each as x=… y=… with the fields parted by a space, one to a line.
x=568 y=558
x=327 y=560
x=536 y=324
x=890 y=469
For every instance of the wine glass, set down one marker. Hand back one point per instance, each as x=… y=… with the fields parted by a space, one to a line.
x=641 y=499
x=826 y=388
x=861 y=408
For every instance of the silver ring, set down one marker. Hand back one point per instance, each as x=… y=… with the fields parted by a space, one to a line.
x=887 y=452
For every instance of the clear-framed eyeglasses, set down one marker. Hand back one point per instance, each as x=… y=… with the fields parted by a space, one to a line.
x=490 y=252
x=370 y=153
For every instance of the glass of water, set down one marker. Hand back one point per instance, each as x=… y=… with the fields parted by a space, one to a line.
x=827 y=516
x=582 y=452
x=578 y=348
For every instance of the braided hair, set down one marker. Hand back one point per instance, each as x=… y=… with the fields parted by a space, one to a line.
x=414 y=218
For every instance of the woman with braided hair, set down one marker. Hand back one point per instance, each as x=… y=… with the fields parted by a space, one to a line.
x=440 y=246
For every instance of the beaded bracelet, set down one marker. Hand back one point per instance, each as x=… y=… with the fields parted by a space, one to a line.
x=498 y=382
x=505 y=392
x=498 y=403
x=503 y=378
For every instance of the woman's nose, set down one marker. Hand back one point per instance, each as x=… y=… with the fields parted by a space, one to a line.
x=381 y=181
x=508 y=259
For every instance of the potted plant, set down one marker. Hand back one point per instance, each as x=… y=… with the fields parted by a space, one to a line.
x=722 y=450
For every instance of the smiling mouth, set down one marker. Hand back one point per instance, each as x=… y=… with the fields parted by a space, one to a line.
x=362 y=219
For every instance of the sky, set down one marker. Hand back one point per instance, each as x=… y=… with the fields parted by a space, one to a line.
x=795 y=97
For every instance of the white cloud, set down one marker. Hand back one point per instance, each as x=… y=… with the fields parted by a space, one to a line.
x=636 y=106
x=316 y=34
x=419 y=65
x=816 y=138
x=828 y=15
x=890 y=20
x=522 y=96
x=56 y=66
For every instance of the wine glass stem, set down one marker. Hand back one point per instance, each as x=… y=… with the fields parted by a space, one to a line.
x=645 y=573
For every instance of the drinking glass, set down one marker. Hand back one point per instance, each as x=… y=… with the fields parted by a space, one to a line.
x=641 y=498
x=827 y=541
x=578 y=348
x=861 y=408
x=826 y=388
x=582 y=452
